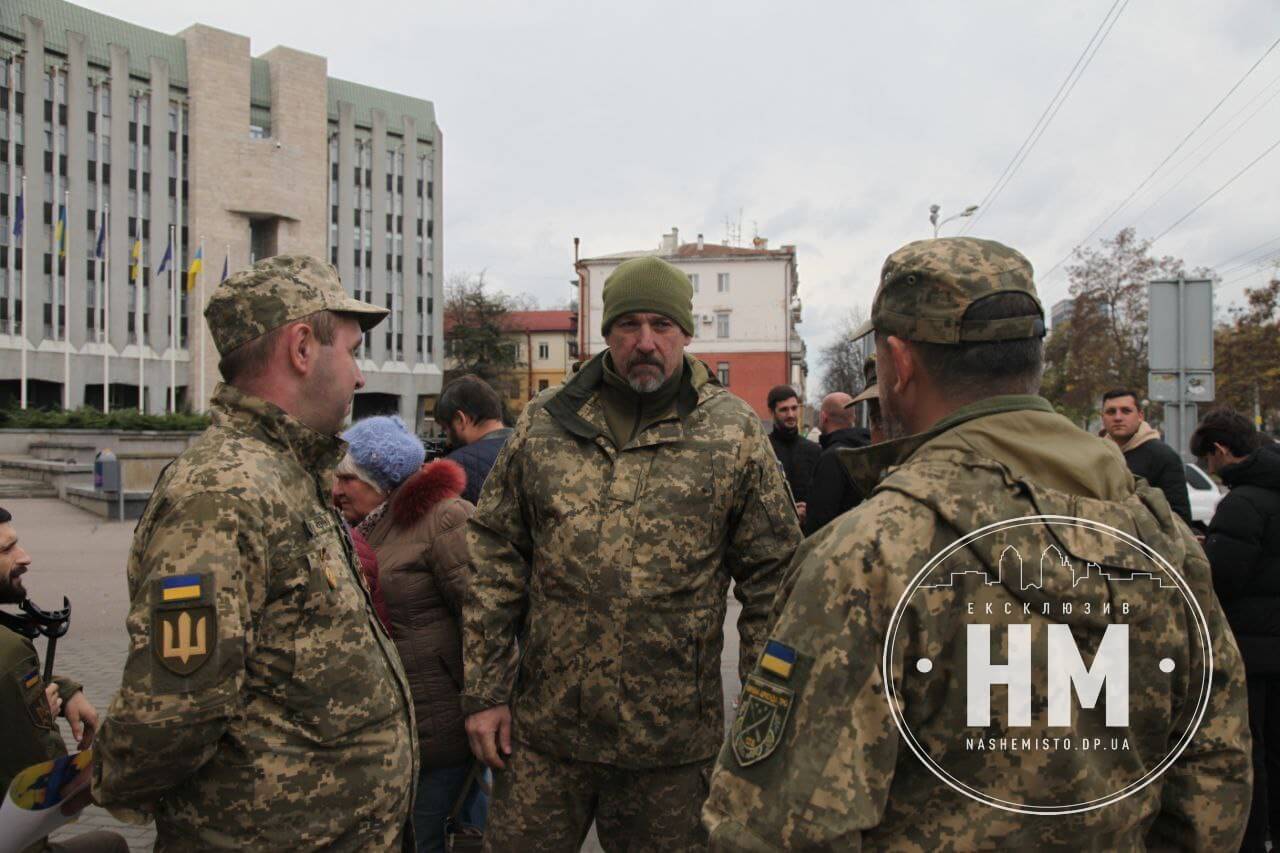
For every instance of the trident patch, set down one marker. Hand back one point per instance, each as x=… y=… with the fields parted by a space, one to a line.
x=762 y=718
x=184 y=627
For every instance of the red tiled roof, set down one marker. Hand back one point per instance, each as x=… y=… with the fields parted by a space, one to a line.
x=541 y=321
x=531 y=321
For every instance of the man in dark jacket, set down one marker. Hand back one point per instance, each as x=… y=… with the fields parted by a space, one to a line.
x=1243 y=546
x=798 y=455
x=1146 y=455
x=29 y=705
x=832 y=490
x=470 y=413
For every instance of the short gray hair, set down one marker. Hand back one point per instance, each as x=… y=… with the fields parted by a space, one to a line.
x=348 y=468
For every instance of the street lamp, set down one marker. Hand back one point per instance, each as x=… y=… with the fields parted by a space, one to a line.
x=933 y=216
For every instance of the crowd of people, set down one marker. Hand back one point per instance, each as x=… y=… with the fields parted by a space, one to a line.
x=337 y=644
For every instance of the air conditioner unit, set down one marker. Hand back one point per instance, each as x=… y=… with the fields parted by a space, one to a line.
x=707 y=319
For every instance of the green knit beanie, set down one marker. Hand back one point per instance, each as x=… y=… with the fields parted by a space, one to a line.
x=648 y=284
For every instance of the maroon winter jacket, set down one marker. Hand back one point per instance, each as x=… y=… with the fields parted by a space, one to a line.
x=369 y=568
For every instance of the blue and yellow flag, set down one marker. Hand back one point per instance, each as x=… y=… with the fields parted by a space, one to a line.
x=135 y=269
x=98 y=249
x=31 y=679
x=60 y=232
x=17 y=219
x=778 y=659
x=197 y=264
x=180 y=587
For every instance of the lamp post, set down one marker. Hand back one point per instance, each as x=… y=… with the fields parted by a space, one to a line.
x=933 y=216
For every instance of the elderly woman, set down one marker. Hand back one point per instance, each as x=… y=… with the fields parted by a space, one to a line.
x=412 y=516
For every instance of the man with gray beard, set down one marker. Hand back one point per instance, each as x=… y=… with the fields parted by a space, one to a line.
x=603 y=547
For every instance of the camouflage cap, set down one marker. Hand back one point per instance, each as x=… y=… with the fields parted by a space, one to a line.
x=927 y=286
x=275 y=291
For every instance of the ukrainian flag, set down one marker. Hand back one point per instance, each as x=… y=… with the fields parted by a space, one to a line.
x=197 y=264
x=180 y=588
x=778 y=659
x=33 y=678
x=60 y=232
x=136 y=267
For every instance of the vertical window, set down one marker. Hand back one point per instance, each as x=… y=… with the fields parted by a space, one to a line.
x=693 y=279
x=544 y=351
x=697 y=322
x=722 y=282
x=722 y=324
x=722 y=373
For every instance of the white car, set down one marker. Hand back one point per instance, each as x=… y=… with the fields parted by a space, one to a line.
x=1204 y=494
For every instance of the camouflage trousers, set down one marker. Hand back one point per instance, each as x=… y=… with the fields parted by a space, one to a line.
x=546 y=804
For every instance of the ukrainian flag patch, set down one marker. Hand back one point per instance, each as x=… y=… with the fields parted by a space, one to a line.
x=180 y=588
x=31 y=679
x=778 y=659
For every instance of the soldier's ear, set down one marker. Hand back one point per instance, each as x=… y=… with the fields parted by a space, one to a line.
x=902 y=360
x=300 y=347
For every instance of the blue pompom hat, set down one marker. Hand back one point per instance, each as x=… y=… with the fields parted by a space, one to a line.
x=384 y=448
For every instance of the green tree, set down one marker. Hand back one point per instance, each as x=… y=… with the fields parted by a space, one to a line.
x=475 y=326
x=1247 y=355
x=1104 y=345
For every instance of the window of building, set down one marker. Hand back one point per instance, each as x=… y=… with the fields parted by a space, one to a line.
x=722 y=282
x=543 y=384
x=693 y=279
x=722 y=373
x=573 y=349
x=544 y=351
x=722 y=324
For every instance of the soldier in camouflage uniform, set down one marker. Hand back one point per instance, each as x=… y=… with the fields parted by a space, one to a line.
x=262 y=705
x=816 y=758
x=604 y=544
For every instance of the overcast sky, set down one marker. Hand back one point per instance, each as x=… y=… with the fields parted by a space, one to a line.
x=829 y=125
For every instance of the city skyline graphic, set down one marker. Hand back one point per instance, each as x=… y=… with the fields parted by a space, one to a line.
x=1031 y=575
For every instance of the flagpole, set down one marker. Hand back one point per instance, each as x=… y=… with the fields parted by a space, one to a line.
x=26 y=262
x=179 y=254
x=66 y=326
x=106 y=303
x=12 y=77
x=59 y=229
x=197 y=327
x=173 y=324
x=140 y=265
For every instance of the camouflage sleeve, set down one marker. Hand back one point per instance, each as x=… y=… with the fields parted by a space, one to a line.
x=810 y=759
x=764 y=534
x=67 y=687
x=1205 y=795
x=500 y=547
x=189 y=623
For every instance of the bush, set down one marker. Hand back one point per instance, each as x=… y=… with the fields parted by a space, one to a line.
x=88 y=418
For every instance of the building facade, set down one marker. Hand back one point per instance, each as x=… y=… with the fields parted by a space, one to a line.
x=141 y=151
x=746 y=308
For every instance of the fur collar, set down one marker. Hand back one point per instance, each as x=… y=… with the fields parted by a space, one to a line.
x=434 y=483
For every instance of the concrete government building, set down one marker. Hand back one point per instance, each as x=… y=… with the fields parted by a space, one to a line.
x=126 y=136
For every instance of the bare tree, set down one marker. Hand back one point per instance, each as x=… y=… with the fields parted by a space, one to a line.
x=475 y=344
x=841 y=359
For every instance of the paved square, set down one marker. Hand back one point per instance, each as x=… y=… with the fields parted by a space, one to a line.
x=77 y=554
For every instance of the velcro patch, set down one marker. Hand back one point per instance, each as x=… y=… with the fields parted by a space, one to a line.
x=184 y=623
x=761 y=721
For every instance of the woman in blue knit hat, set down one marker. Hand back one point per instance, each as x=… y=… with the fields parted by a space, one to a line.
x=412 y=516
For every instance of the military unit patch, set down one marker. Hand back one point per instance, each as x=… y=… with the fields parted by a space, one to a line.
x=762 y=718
x=31 y=678
x=184 y=625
